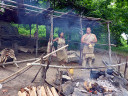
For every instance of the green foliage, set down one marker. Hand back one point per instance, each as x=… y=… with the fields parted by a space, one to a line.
x=56 y=32
x=114 y=10
x=25 y=29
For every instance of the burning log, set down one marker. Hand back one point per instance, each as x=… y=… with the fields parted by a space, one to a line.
x=99 y=86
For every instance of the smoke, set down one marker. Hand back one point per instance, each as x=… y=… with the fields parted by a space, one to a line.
x=69 y=22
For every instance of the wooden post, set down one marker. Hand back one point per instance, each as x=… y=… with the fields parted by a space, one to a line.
x=81 y=32
x=51 y=34
x=30 y=30
x=47 y=32
x=44 y=69
x=109 y=44
x=0 y=43
x=125 y=70
x=119 y=63
x=15 y=46
x=37 y=40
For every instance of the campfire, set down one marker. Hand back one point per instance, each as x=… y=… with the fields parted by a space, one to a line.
x=100 y=86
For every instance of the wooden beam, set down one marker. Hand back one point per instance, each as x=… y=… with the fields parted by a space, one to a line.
x=51 y=34
x=74 y=67
x=37 y=37
x=11 y=6
x=26 y=5
x=109 y=44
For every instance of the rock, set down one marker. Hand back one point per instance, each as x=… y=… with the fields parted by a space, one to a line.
x=78 y=93
x=68 y=88
x=66 y=77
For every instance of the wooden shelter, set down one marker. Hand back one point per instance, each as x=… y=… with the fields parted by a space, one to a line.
x=20 y=13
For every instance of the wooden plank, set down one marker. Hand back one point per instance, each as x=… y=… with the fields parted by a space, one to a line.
x=49 y=93
x=43 y=91
x=74 y=67
x=54 y=91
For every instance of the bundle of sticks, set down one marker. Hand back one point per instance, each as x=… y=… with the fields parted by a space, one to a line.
x=7 y=54
x=38 y=91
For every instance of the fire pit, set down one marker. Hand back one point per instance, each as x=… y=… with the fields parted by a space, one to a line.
x=100 y=86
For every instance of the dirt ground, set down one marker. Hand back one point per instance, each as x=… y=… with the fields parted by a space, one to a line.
x=25 y=79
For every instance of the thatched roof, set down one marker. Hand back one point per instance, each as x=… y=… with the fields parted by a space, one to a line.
x=21 y=14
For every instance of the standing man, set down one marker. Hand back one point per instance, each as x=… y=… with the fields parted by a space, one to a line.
x=88 y=40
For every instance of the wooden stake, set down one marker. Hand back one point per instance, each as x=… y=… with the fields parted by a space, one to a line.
x=119 y=63
x=125 y=70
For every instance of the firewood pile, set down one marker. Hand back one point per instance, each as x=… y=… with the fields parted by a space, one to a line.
x=38 y=91
x=7 y=55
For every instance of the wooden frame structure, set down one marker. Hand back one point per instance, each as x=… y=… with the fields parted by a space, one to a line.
x=50 y=14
